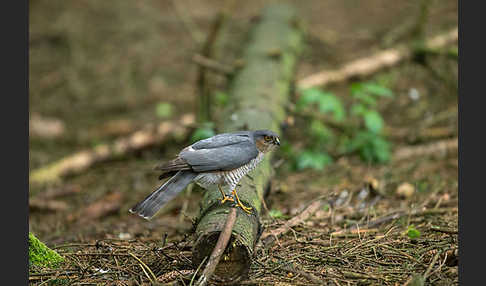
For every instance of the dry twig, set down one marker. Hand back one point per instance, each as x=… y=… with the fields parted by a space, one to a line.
x=218 y=250
x=366 y=66
x=269 y=237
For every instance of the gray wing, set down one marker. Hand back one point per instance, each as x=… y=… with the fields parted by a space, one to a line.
x=222 y=140
x=224 y=153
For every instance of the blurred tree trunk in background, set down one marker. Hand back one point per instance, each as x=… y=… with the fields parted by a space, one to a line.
x=258 y=95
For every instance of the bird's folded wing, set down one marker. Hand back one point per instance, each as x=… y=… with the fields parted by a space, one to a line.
x=222 y=140
x=218 y=156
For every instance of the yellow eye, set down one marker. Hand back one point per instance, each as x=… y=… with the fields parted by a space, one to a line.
x=267 y=138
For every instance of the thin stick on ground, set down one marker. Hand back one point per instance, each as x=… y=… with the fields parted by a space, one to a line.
x=368 y=65
x=434 y=260
x=269 y=237
x=218 y=250
x=143 y=265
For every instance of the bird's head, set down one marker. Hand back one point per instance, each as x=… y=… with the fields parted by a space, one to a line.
x=266 y=140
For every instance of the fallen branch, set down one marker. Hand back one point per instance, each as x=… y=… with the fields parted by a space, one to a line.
x=271 y=236
x=47 y=205
x=353 y=232
x=441 y=148
x=444 y=230
x=218 y=250
x=80 y=161
x=366 y=66
x=212 y=64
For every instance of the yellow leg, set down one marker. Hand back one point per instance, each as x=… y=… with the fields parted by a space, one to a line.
x=225 y=197
x=238 y=203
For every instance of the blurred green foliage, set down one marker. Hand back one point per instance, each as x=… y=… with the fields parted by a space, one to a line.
x=275 y=213
x=336 y=128
x=220 y=98
x=204 y=131
x=163 y=110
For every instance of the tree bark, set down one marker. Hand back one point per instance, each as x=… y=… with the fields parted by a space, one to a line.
x=258 y=94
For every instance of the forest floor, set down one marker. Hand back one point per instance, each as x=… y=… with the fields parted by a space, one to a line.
x=102 y=78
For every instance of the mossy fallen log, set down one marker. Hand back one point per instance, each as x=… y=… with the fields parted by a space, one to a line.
x=41 y=255
x=258 y=94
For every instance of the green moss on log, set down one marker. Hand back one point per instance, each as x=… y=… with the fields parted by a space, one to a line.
x=41 y=255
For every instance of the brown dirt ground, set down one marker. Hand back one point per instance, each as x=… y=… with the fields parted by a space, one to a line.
x=94 y=64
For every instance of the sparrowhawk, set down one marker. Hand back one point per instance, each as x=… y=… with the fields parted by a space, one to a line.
x=221 y=160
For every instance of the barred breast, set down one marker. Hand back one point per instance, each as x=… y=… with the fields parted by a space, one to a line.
x=234 y=176
x=229 y=178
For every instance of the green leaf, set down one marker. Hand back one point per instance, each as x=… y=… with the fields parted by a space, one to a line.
x=320 y=131
x=163 y=110
x=328 y=102
x=358 y=109
x=372 y=147
x=412 y=232
x=377 y=89
x=373 y=121
x=313 y=160
x=308 y=96
x=365 y=98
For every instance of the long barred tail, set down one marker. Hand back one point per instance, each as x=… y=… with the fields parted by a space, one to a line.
x=158 y=198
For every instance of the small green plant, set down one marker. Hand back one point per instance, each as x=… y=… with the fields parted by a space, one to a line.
x=336 y=130
x=369 y=142
x=412 y=232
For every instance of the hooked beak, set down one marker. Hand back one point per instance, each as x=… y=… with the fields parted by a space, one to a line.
x=277 y=141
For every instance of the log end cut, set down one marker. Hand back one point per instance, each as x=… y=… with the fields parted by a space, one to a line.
x=234 y=264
